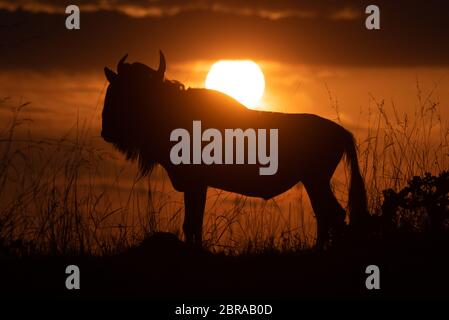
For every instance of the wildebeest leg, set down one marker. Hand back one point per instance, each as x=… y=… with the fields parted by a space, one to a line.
x=194 y=203
x=329 y=213
x=336 y=214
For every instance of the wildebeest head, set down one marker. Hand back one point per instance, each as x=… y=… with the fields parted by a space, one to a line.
x=128 y=104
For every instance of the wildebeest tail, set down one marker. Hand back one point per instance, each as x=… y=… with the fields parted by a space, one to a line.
x=357 y=202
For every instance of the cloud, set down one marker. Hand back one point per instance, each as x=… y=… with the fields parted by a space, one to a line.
x=272 y=10
x=347 y=13
x=309 y=32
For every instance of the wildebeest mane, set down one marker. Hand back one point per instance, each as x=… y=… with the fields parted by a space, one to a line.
x=137 y=147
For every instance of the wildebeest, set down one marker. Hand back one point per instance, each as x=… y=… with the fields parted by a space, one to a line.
x=141 y=109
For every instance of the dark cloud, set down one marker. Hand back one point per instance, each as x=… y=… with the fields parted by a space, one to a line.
x=310 y=32
x=268 y=9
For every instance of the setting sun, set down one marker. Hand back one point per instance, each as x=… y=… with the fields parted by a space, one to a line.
x=241 y=79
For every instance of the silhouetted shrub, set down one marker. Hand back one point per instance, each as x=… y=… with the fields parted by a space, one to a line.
x=422 y=206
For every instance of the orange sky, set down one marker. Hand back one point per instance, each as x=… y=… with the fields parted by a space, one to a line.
x=57 y=98
x=317 y=57
x=307 y=49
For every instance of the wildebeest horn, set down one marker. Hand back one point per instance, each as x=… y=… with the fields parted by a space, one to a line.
x=121 y=64
x=161 y=69
x=110 y=75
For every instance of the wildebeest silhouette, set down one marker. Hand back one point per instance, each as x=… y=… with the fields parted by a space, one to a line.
x=141 y=109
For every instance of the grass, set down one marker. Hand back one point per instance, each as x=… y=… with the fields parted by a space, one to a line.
x=76 y=196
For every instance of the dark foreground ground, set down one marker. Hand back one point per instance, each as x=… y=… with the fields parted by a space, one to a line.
x=164 y=267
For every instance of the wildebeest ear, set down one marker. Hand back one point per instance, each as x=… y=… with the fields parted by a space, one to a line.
x=110 y=75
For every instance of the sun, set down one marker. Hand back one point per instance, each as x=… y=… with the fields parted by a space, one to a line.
x=241 y=79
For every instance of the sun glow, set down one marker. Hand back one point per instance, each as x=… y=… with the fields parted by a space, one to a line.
x=241 y=79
